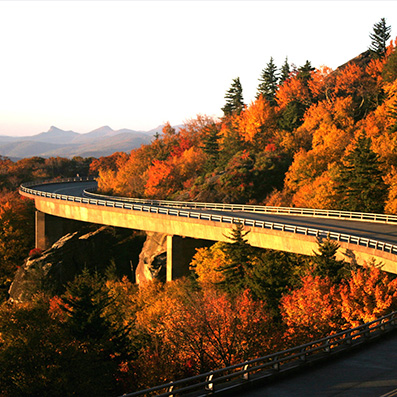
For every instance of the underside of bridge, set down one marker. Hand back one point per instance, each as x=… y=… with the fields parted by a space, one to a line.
x=180 y=250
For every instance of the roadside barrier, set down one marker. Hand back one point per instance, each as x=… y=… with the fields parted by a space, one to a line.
x=194 y=211
x=265 y=368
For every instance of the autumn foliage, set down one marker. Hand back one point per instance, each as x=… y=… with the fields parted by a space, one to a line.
x=324 y=139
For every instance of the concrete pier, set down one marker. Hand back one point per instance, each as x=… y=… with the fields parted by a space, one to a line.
x=50 y=228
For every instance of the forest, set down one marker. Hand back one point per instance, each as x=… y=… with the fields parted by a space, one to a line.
x=315 y=138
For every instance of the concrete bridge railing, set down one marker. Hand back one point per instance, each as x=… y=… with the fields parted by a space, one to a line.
x=317 y=213
x=183 y=210
x=257 y=371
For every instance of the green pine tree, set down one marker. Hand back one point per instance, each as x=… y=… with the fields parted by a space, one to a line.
x=360 y=184
x=326 y=264
x=379 y=37
x=234 y=99
x=238 y=252
x=268 y=82
x=304 y=72
x=89 y=307
x=285 y=72
x=211 y=146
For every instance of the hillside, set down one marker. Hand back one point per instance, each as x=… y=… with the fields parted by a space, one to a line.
x=103 y=141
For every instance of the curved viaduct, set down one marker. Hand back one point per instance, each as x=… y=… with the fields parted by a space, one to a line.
x=188 y=225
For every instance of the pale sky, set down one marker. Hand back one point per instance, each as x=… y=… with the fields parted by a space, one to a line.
x=79 y=65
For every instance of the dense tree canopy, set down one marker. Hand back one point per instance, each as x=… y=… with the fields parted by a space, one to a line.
x=312 y=138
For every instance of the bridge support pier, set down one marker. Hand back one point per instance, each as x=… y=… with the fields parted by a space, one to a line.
x=180 y=251
x=51 y=228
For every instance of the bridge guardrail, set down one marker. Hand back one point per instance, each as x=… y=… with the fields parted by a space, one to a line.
x=130 y=205
x=320 y=213
x=262 y=368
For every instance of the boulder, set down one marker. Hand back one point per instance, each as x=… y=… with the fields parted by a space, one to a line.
x=99 y=250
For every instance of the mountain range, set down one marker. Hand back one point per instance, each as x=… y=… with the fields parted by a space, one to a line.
x=103 y=141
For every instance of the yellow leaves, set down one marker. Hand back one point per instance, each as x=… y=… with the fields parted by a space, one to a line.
x=206 y=262
x=315 y=194
x=106 y=181
x=391 y=202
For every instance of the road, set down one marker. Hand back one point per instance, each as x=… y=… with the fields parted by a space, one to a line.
x=368 y=372
x=377 y=231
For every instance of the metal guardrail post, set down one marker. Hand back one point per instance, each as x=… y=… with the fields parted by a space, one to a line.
x=246 y=374
x=209 y=385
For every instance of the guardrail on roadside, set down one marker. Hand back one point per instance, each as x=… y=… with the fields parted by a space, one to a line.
x=319 y=213
x=260 y=369
x=129 y=204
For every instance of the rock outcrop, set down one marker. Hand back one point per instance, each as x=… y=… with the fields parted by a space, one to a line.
x=98 y=250
x=153 y=258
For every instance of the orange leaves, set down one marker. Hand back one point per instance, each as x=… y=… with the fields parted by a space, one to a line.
x=310 y=312
x=255 y=118
x=320 y=83
x=367 y=295
x=315 y=194
x=168 y=176
x=207 y=327
x=348 y=79
x=319 y=308
x=293 y=89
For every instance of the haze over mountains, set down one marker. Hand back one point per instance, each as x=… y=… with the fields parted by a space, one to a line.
x=103 y=141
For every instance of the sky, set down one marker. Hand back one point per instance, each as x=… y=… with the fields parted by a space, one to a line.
x=80 y=65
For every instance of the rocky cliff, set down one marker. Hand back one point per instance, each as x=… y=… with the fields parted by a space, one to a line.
x=138 y=255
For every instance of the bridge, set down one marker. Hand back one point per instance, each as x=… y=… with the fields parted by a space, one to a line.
x=361 y=237
x=189 y=225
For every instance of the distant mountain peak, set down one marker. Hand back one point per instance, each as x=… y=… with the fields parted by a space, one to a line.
x=54 y=129
x=105 y=129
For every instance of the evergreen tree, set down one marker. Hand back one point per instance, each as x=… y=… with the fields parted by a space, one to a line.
x=234 y=99
x=89 y=308
x=211 y=146
x=326 y=264
x=379 y=37
x=273 y=275
x=304 y=72
x=285 y=71
x=268 y=82
x=238 y=254
x=360 y=184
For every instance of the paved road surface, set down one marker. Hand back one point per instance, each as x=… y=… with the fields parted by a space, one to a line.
x=370 y=371
x=377 y=231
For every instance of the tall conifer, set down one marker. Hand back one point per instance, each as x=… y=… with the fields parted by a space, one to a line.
x=238 y=253
x=361 y=187
x=234 y=98
x=268 y=82
x=285 y=71
x=379 y=37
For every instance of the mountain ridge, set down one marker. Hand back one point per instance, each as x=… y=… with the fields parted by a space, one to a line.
x=102 y=141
